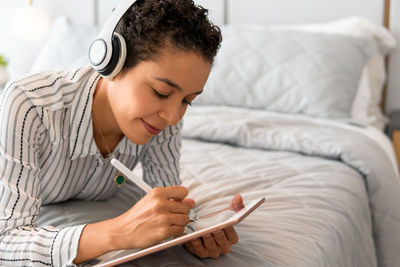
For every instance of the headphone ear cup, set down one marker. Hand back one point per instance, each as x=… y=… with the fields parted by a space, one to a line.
x=118 y=57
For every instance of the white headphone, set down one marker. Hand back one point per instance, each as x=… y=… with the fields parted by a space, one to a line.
x=107 y=52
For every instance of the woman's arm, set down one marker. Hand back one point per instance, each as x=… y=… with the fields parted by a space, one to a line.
x=22 y=242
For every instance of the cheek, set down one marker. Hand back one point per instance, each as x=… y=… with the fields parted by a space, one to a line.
x=142 y=103
x=131 y=103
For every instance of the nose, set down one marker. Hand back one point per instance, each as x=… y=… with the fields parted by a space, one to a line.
x=172 y=113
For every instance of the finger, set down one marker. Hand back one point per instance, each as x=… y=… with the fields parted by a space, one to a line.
x=190 y=202
x=171 y=192
x=220 y=238
x=231 y=234
x=189 y=247
x=177 y=207
x=176 y=219
x=175 y=230
x=196 y=246
x=211 y=246
x=237 y=203
x=222 y=241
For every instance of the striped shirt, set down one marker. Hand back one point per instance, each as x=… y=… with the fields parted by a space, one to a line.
x=48 y=155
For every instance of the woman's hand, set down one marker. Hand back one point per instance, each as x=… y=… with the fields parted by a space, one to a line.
x=219 y=242
x=161 y=214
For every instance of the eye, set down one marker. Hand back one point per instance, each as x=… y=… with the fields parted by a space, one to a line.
x=159 y=95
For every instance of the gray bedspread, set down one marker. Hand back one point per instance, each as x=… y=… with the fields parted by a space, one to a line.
x=332 y=193
x=316 y=139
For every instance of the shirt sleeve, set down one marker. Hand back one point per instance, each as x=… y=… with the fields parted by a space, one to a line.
x=22 y=242
x=160 y=163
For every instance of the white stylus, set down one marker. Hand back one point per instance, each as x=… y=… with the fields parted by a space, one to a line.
x=131 y=176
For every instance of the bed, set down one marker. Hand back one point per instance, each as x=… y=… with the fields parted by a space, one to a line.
x=291 y=112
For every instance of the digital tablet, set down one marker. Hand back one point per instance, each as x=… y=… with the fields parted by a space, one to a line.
x=193 y=231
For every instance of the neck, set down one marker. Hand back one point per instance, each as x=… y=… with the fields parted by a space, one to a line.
x=105 y=128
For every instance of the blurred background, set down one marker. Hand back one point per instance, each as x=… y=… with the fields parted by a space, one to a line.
x=25 y=27
x=31 y=30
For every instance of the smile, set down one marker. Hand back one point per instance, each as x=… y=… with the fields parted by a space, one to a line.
x=151 y=129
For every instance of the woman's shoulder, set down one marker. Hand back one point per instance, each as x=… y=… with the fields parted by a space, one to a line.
x=48 y=89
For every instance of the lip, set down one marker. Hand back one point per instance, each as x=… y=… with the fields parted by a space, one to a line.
x=151 y=129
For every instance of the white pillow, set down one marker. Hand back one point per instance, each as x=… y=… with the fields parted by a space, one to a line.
x=286 y=70
x=66 y=47
x=366 y=107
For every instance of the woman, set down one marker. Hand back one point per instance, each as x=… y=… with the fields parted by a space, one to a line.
x=59 y=132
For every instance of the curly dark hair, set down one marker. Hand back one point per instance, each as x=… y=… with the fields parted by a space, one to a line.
x=150 y=25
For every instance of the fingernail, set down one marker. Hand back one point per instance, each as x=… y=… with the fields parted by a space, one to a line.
x=217 y=232
x=207 y=235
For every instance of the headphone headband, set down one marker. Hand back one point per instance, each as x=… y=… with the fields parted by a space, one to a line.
x=101 y=50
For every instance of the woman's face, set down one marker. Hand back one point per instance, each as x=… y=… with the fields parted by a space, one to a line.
x=155 y=94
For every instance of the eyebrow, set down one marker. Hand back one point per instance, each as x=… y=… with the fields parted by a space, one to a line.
x=172 y=84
